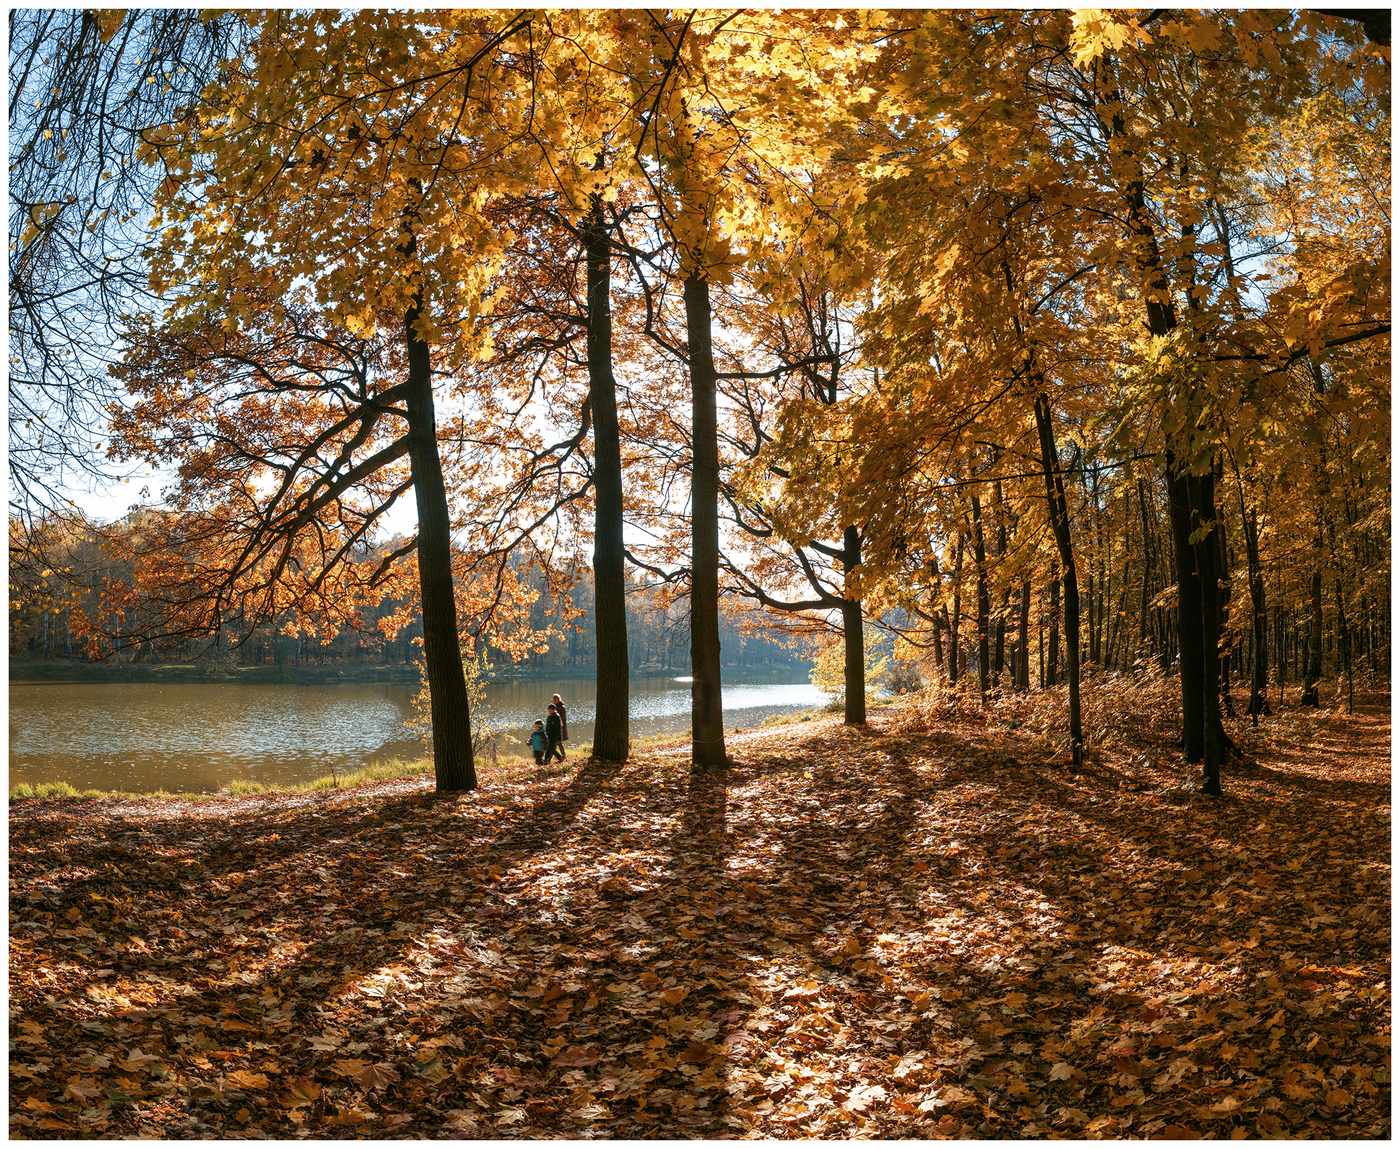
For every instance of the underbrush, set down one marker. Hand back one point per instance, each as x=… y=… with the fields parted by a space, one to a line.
x=1135 y=715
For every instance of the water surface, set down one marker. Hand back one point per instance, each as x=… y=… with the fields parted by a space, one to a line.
x=200 y=736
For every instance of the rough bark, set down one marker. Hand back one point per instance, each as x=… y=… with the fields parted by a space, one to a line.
x=453 y=766
x=611 y=734
x=1023 y=650
x=706 y=701
x=939 y=620
x=999 y=652
x=1059 y=522
x=979 y=553
x=1192 y=500
x=1143 y=607
x=853 y=626
x=957 y=614
x=1259 y=677
x=1312 y=651
x=1203 y=735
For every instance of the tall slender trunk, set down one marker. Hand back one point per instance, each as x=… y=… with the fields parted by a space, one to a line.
x=979 y=553
x=1191 y=500
x=1189 y=496
x=852 y=623
x=1040 y=642
x=1259 y=632
x=999 y=654
x=611 y=735
x=1023 y=653
x=1222 y=581
x=1093 y=585
x=957 y=614
x=1312 y=652
x=453 y=766
x=1345 y=640
x=706 y=700
x=1052 y=665
x=1146 y=564
x=937 y=620
x=1059 y=521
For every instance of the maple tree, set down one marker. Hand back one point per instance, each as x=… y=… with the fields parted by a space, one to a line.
x=268 y=197
x=1032 y=182
x=781 y=555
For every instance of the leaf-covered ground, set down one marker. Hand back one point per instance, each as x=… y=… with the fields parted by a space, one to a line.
x=931 y=927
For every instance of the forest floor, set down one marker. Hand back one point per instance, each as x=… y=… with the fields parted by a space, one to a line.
x=932 y=926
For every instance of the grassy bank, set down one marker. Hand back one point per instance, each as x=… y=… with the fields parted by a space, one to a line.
x=337 y=780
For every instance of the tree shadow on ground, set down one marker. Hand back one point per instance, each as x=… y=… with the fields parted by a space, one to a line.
x=845 y=934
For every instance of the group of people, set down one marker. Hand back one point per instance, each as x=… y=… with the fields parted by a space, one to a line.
x=549 y=736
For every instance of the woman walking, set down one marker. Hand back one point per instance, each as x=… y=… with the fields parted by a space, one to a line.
x=553 y=729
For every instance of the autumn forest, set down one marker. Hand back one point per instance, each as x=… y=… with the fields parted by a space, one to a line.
x=1029 y=368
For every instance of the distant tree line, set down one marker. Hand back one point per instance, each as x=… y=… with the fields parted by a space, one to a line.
x=75 y=597
x=658 y=632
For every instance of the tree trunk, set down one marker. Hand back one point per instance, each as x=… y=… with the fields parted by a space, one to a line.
x=1259 y=677
x=1146 y=565
x=1203 y=735
x=1312 y=652
x=937 y=619
x=1040 y=642
x=1059 y=521
x=1023 y=652
x=1092 y=586
x=1344 y=641
x=999 y=654
x=1199 y=665
x=1052 y=666
x=979 y=553
x=1222 y=582
x=852 y=623
x=706 y=701
x=957 y=615
x=453 y=766
x=611 y=735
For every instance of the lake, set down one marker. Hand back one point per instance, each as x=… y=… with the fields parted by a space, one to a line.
x=200 y=736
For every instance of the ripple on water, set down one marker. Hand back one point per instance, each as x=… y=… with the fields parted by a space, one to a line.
x=201 y=736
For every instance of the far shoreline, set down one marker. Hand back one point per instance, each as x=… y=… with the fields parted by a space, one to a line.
x=41 y=672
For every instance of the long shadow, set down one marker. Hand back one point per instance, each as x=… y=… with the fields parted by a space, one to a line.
x=616 y=990
x=1065 y=968
x=679 y=1010
x=191 y=871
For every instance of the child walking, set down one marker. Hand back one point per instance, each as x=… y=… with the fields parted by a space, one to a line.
x=539 y=741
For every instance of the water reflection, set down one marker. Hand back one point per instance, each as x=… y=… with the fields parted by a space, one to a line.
x=201 y=736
